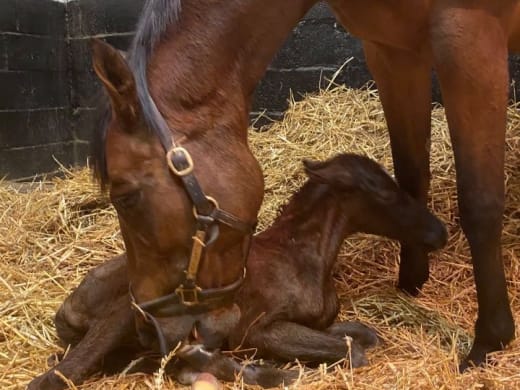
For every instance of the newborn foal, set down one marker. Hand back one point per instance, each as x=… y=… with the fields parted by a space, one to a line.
x=288 y=300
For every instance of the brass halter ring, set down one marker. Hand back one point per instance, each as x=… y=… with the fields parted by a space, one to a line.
x=211 y=200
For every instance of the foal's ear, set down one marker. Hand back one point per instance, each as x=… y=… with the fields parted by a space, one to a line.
x=117 y=78
x=327 y=173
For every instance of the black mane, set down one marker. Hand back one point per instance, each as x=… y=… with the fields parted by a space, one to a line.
x=303 y=202
x=156 y=17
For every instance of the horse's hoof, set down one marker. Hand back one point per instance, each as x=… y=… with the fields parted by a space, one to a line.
x=468 y=364
x=411 y=288
x=477 y=357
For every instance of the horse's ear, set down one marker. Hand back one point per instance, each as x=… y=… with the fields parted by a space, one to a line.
x=329 y=172
x=118 y=80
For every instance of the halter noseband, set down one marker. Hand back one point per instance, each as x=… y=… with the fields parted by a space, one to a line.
x=189 y=297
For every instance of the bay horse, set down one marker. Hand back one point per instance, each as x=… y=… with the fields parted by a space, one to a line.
x=288 y=301
x=185 y=93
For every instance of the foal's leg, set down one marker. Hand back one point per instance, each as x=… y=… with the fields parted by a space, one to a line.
x=404 y=82
x=225 y=368
x=87 y=357
x=364 y=335
x=91 y=300
x=470 y=54
x=289 y=341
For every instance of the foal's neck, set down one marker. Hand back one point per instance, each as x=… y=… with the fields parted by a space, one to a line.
x=314 y=224
x=212 y=58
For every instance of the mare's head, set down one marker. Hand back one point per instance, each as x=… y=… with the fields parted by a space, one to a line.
x=374 y=203
x=157 y=208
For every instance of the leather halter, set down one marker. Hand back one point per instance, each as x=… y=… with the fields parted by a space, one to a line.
x=189 y=297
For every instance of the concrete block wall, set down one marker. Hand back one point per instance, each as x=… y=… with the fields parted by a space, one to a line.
x=34 y=103
x=316 y=49
x=111 y=20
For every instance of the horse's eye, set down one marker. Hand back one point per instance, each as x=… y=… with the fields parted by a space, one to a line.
x=127 y=201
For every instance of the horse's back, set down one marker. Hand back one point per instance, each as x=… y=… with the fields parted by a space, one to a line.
x=401 y=24
x=406 y=24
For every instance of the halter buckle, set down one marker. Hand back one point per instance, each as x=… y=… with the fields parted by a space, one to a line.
x=188 y=296
x=187 y=157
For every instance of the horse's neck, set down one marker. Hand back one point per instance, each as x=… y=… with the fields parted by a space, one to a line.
x=267 y=24
x=312 y=226
x=218 y=51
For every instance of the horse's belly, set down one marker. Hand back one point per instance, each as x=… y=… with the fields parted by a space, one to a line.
x=398 y=23
x=514 y=34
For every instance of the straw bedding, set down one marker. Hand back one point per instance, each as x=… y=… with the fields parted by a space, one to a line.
x=53 y=233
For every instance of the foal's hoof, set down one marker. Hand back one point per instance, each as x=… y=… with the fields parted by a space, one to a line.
x=364 y=335
x=54 y=359
x=267 y=377
x=47 y=381
x=357 y=355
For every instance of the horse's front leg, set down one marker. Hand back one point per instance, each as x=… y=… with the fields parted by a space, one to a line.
x=404 y=82
x=470 y=55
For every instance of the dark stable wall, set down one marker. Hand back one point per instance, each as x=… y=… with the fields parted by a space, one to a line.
x=48 y=91
x=34 y=103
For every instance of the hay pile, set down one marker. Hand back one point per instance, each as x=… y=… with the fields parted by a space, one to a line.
x=53 y=234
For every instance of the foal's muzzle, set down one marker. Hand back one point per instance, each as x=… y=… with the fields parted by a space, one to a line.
x=437 y=236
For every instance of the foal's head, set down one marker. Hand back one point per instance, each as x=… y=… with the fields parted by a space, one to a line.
x=374 y=203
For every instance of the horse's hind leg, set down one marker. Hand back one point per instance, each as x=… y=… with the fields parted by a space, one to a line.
x=470 y=54
x=404 y=82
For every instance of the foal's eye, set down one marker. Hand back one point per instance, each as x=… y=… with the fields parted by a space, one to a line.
x=128 y=200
